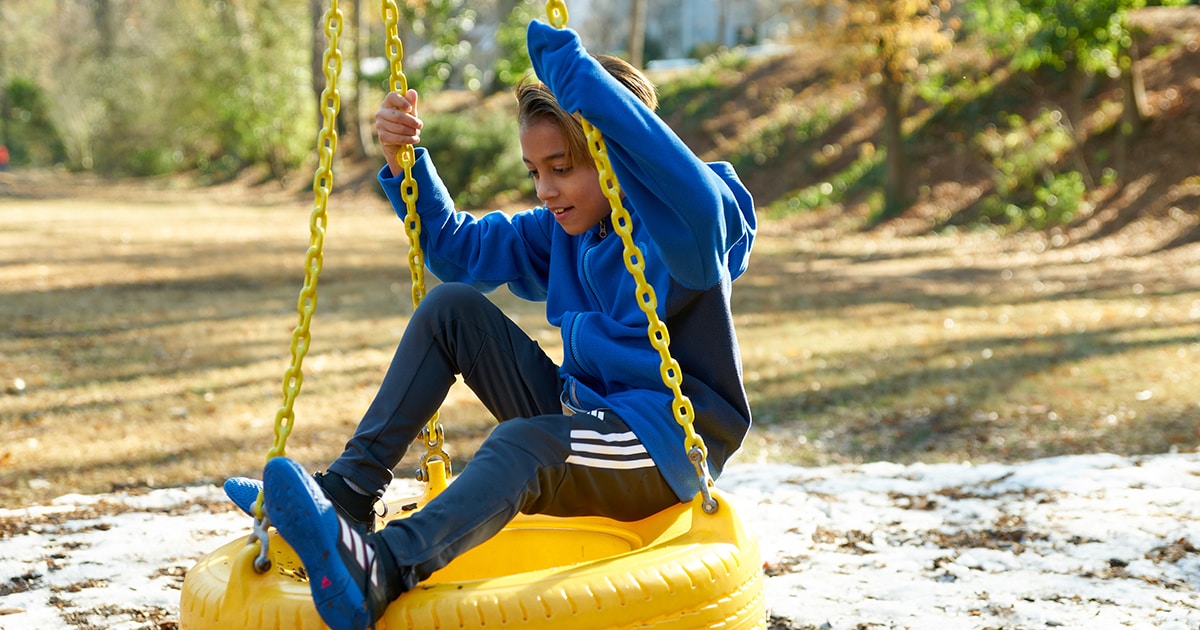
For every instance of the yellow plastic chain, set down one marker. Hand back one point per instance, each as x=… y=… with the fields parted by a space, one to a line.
x=433 y=434
x=293 y=377
x=556 y=13
x=322 y=185
x=672 y=374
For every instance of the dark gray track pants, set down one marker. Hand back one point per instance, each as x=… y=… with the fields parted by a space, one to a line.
x=536 y=461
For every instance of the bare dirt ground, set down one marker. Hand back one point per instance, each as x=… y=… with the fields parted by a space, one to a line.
x=147 y=329
x=146 y=325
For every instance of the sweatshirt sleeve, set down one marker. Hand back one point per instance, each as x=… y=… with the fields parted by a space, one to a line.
x=699 y=215
x=485 y=251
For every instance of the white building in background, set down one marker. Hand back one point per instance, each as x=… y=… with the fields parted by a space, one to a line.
x=680 y=28
x=676 y=30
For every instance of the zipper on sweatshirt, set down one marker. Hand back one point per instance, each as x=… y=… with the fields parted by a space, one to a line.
x=574 y=341
x=588 y=277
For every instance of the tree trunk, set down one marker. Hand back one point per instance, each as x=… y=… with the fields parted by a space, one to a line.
x=1134 y=110
x=351 y=113
x=4 y=107
x=722 y=23
x=1081 y=82
x=637 y=34
x=895 y=189
x=1135 y=88
x=504 y=8
x=102 y=14
x=316 y=9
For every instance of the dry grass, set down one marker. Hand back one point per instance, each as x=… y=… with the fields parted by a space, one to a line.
x=146 y=333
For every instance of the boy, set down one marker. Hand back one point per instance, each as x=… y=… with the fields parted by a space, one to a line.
x=594 y=436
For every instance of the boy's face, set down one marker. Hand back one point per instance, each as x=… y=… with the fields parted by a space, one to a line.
x=570 y=191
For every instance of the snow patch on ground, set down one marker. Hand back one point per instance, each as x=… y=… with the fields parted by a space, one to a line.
x=1095 y=541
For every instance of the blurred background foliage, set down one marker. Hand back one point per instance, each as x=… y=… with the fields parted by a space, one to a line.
x=212 y=88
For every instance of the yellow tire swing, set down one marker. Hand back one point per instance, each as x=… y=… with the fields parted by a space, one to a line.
x=691 y=566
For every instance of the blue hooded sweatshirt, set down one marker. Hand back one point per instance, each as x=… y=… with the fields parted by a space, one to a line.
x=694 y=222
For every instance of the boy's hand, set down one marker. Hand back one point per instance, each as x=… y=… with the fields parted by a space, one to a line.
x=397 y=124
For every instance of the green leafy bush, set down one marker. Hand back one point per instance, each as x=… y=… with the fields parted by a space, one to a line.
x=477 y=153
x=1029 y=192
x=29 y=132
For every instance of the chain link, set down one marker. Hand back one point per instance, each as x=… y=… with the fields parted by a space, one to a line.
x=293 y=377
x=669 y=370
x=406 y=156
x=672 y=374
x=556 y=13
x=314 y=258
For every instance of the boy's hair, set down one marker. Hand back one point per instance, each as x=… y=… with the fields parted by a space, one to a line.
x=535 y=103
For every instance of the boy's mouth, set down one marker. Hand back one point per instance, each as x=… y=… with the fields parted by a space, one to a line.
x=558 y=211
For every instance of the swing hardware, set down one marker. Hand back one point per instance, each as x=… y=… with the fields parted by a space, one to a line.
x=648 y=560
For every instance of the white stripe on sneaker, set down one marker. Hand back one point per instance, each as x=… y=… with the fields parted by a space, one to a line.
x=363 y=554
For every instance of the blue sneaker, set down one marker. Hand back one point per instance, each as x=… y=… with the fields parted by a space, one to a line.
x=243 y=491
x=357 y=508
x=348 y=572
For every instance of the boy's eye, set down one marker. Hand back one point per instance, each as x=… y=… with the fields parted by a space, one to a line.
x=562 y=170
